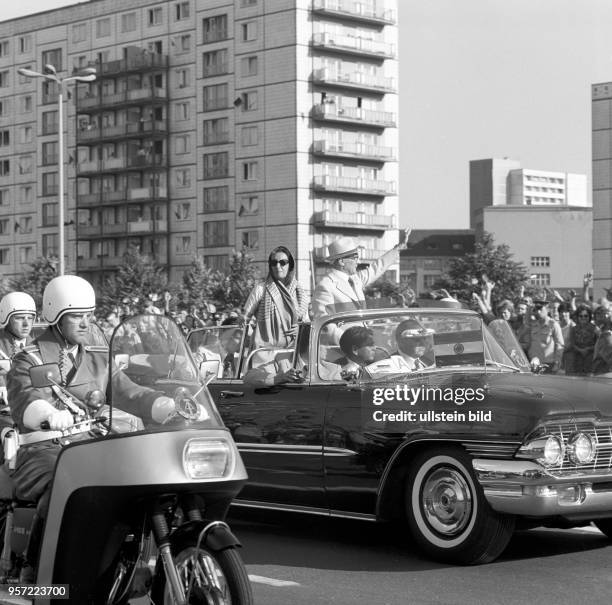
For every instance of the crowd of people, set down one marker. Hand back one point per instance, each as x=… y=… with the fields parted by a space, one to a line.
x=558 y=335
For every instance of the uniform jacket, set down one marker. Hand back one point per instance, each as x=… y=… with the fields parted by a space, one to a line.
x=91 y=374
x=335 y=293
x=546 y=341
x=6 y=350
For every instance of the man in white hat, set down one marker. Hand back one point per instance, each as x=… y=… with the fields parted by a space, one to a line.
x=342 y=287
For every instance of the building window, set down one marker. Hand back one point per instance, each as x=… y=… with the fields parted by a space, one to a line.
x=25 y=164
x=249 y=171
x=215 y=63
x=216 y=131
x=3 y=107
x=182 y=43
x=181 y=11
x=24 y=44
x=216 y=233
x=4 y=226
x=4 y=197
x=217 y=262
x=4 y=48
x=183 y=78
x=50 y=183
x=53 y=57
x=182 y=144
x=50 y=122
x=182 y=244
x=155 y=16
x=249 y=239
x=103 y=28
x=49 y=215
x=540 y=261
x=244 y=3
x=248 y=100
x=216 y=199
x=182 y=111
x=215 y=97
x=183 y=177
x=5 y=138
x=79 y=32
x=4 y=78
x=50 y=92
x=128 y=22
x=249 y=66
x=50 y=153
x=49 y=245
x=249 y=31
x=25 y=134
x=24 y=224
x=5 y=168
x=540 y=279
x=25 y=194
x=183 y=211
x=26 y=104
x=216 y=165
x=249 y=135
x=214 y=29
x=26 y=255
x=5 y=256
x=249 y=206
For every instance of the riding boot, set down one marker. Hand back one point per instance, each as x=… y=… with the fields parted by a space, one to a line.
x=28 y=571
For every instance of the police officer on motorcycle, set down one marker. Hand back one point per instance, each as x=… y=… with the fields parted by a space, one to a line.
x=17 y=313
x=68 y=305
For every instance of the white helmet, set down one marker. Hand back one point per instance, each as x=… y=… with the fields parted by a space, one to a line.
x=13 y=303
x=67 y=294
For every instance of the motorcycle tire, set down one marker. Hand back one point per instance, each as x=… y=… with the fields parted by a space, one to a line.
x=228 y=567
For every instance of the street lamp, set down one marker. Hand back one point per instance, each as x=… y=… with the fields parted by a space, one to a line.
x=88 y=74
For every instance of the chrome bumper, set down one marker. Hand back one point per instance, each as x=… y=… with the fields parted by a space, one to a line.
x=522 y=487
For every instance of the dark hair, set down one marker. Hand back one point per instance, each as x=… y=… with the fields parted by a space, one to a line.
x=284 y=250
x=356 y=336
x=503 y=305
x=564 y=308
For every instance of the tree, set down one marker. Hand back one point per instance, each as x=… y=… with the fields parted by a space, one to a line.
x=41 y=271
x=200 y=284
x=235 y=287
x=495 y=261
x=387 y=288
x=137 y=276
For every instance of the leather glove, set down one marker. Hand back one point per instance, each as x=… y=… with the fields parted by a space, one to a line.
x=163 y=409
x=60 y=420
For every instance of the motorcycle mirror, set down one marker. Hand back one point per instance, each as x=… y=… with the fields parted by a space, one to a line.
x=209 y=370
x=45 y=375
x=94 y=400
x=5 y=365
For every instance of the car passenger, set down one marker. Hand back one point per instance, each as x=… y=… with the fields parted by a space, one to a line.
x=414 y=344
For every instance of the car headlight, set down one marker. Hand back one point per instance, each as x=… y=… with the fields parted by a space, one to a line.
x=581 y=448
x=207 y=458
x=548 y=450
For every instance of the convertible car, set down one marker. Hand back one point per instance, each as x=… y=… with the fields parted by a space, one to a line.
x=464 y=444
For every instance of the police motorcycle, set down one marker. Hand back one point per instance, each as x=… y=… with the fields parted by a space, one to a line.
x=135 y=509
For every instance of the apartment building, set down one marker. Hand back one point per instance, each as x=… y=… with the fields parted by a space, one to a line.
x=211 y=126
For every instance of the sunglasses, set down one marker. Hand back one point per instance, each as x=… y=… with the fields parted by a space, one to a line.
x=282 y=263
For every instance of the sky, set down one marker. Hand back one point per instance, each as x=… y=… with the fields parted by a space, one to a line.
x=481 y=79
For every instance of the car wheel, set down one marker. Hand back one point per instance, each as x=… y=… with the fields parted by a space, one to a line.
x=604 y=526
x=447 y=512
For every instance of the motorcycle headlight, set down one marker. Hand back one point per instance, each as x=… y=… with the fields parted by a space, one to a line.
x=548 y=450
x=581 y=448
x=207 y=459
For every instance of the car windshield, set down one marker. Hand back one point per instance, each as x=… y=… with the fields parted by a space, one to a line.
x=150 y=359
x=422 y=340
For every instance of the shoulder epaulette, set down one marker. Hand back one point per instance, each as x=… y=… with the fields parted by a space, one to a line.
x=30 y=349
x=96 y=348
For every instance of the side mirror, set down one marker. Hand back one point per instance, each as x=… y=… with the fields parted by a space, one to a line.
x=5 y=365
x=209 y=370
x=45 y=375
x=122 y=360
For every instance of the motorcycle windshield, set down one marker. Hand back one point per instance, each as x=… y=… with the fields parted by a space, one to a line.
x=155 y=384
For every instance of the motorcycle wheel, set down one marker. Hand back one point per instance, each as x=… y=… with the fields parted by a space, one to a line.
x=233 y=587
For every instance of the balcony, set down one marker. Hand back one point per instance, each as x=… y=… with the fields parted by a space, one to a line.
x=135 y=162
x=147 y=193
x=143 y=61
x=330 y=112
x=140 y=226
x=144 y=129
x=357 y=220
x=87 y=231
x=111 y=262
x=358 y=185
x=88 y=264
x=366 y=255
x=113 y=196
x=88 y=199
x=91 y=100
x=356 y=10
x=357 y=80
x=353 y=45
x=361 y=151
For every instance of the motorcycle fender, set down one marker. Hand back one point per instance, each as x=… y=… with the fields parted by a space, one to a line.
x=218 y=538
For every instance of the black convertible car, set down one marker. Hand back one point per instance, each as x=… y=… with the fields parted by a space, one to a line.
x=464 y=444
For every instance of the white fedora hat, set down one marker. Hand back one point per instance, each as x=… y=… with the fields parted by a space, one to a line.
x=341 y=247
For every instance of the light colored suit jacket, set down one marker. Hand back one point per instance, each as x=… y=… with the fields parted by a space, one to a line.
x=334 y=293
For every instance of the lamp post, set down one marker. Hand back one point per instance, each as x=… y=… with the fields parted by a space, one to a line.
x=50 y=73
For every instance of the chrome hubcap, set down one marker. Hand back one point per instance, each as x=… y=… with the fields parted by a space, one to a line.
x=446 y=501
